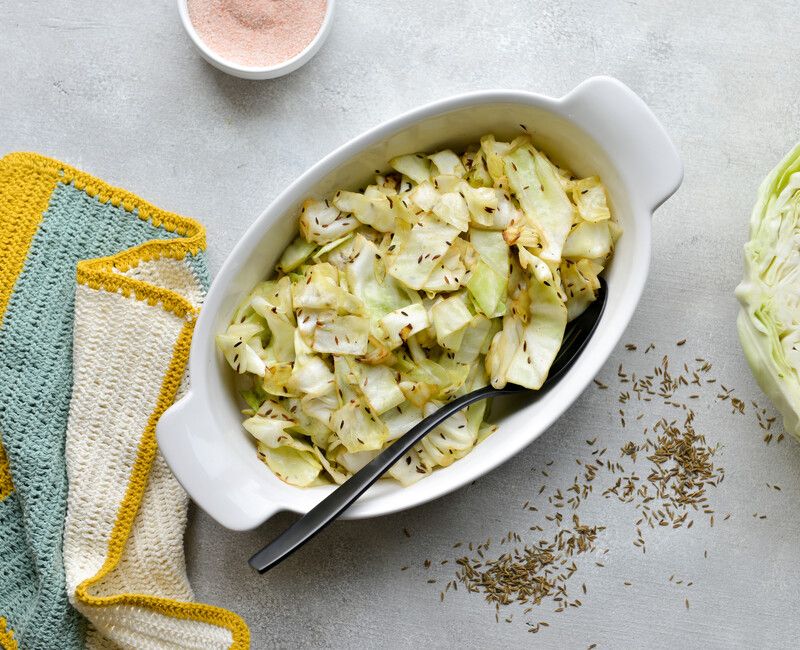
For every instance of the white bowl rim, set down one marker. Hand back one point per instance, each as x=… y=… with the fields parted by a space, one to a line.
x=255 y=72
x=642 y=204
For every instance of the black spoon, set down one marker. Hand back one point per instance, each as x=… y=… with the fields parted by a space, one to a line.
x=577 y=334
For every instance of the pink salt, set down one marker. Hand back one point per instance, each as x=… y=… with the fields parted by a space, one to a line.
x=257 y=32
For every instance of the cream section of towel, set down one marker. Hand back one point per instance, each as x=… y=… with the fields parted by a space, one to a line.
x=123 y=348
x=168 y=273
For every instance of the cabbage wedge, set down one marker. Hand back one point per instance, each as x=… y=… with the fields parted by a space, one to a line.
x=769 y=319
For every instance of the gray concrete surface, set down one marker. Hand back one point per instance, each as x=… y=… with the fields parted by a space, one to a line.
x=117 y=89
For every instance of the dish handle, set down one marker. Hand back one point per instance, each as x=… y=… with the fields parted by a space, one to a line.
x=186 y=438
x=632 y=135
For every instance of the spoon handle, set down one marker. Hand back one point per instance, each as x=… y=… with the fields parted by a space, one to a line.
x=343 y=497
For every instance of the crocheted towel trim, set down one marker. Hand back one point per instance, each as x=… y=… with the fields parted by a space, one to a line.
x=7 y=640
x=28 y=194
x=100 y=274
x=6 y=484
x=27 y=197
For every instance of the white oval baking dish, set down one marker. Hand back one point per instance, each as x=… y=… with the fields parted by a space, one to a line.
x=601 y=127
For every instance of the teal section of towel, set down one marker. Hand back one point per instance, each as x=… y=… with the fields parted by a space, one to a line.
x=199 y=267
x=18 y=583
x=35 y=391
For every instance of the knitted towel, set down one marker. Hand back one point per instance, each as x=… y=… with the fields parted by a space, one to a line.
x=99 y=291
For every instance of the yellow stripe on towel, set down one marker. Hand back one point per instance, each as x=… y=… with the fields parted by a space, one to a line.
x=7 y=640
x=26 y=196
x=6 y=484
x=26 y=192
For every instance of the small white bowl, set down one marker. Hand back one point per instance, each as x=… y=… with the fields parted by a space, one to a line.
x=601 y=127
x=257 y=72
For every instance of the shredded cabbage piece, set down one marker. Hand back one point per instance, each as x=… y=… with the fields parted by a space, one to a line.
x=449 y=272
